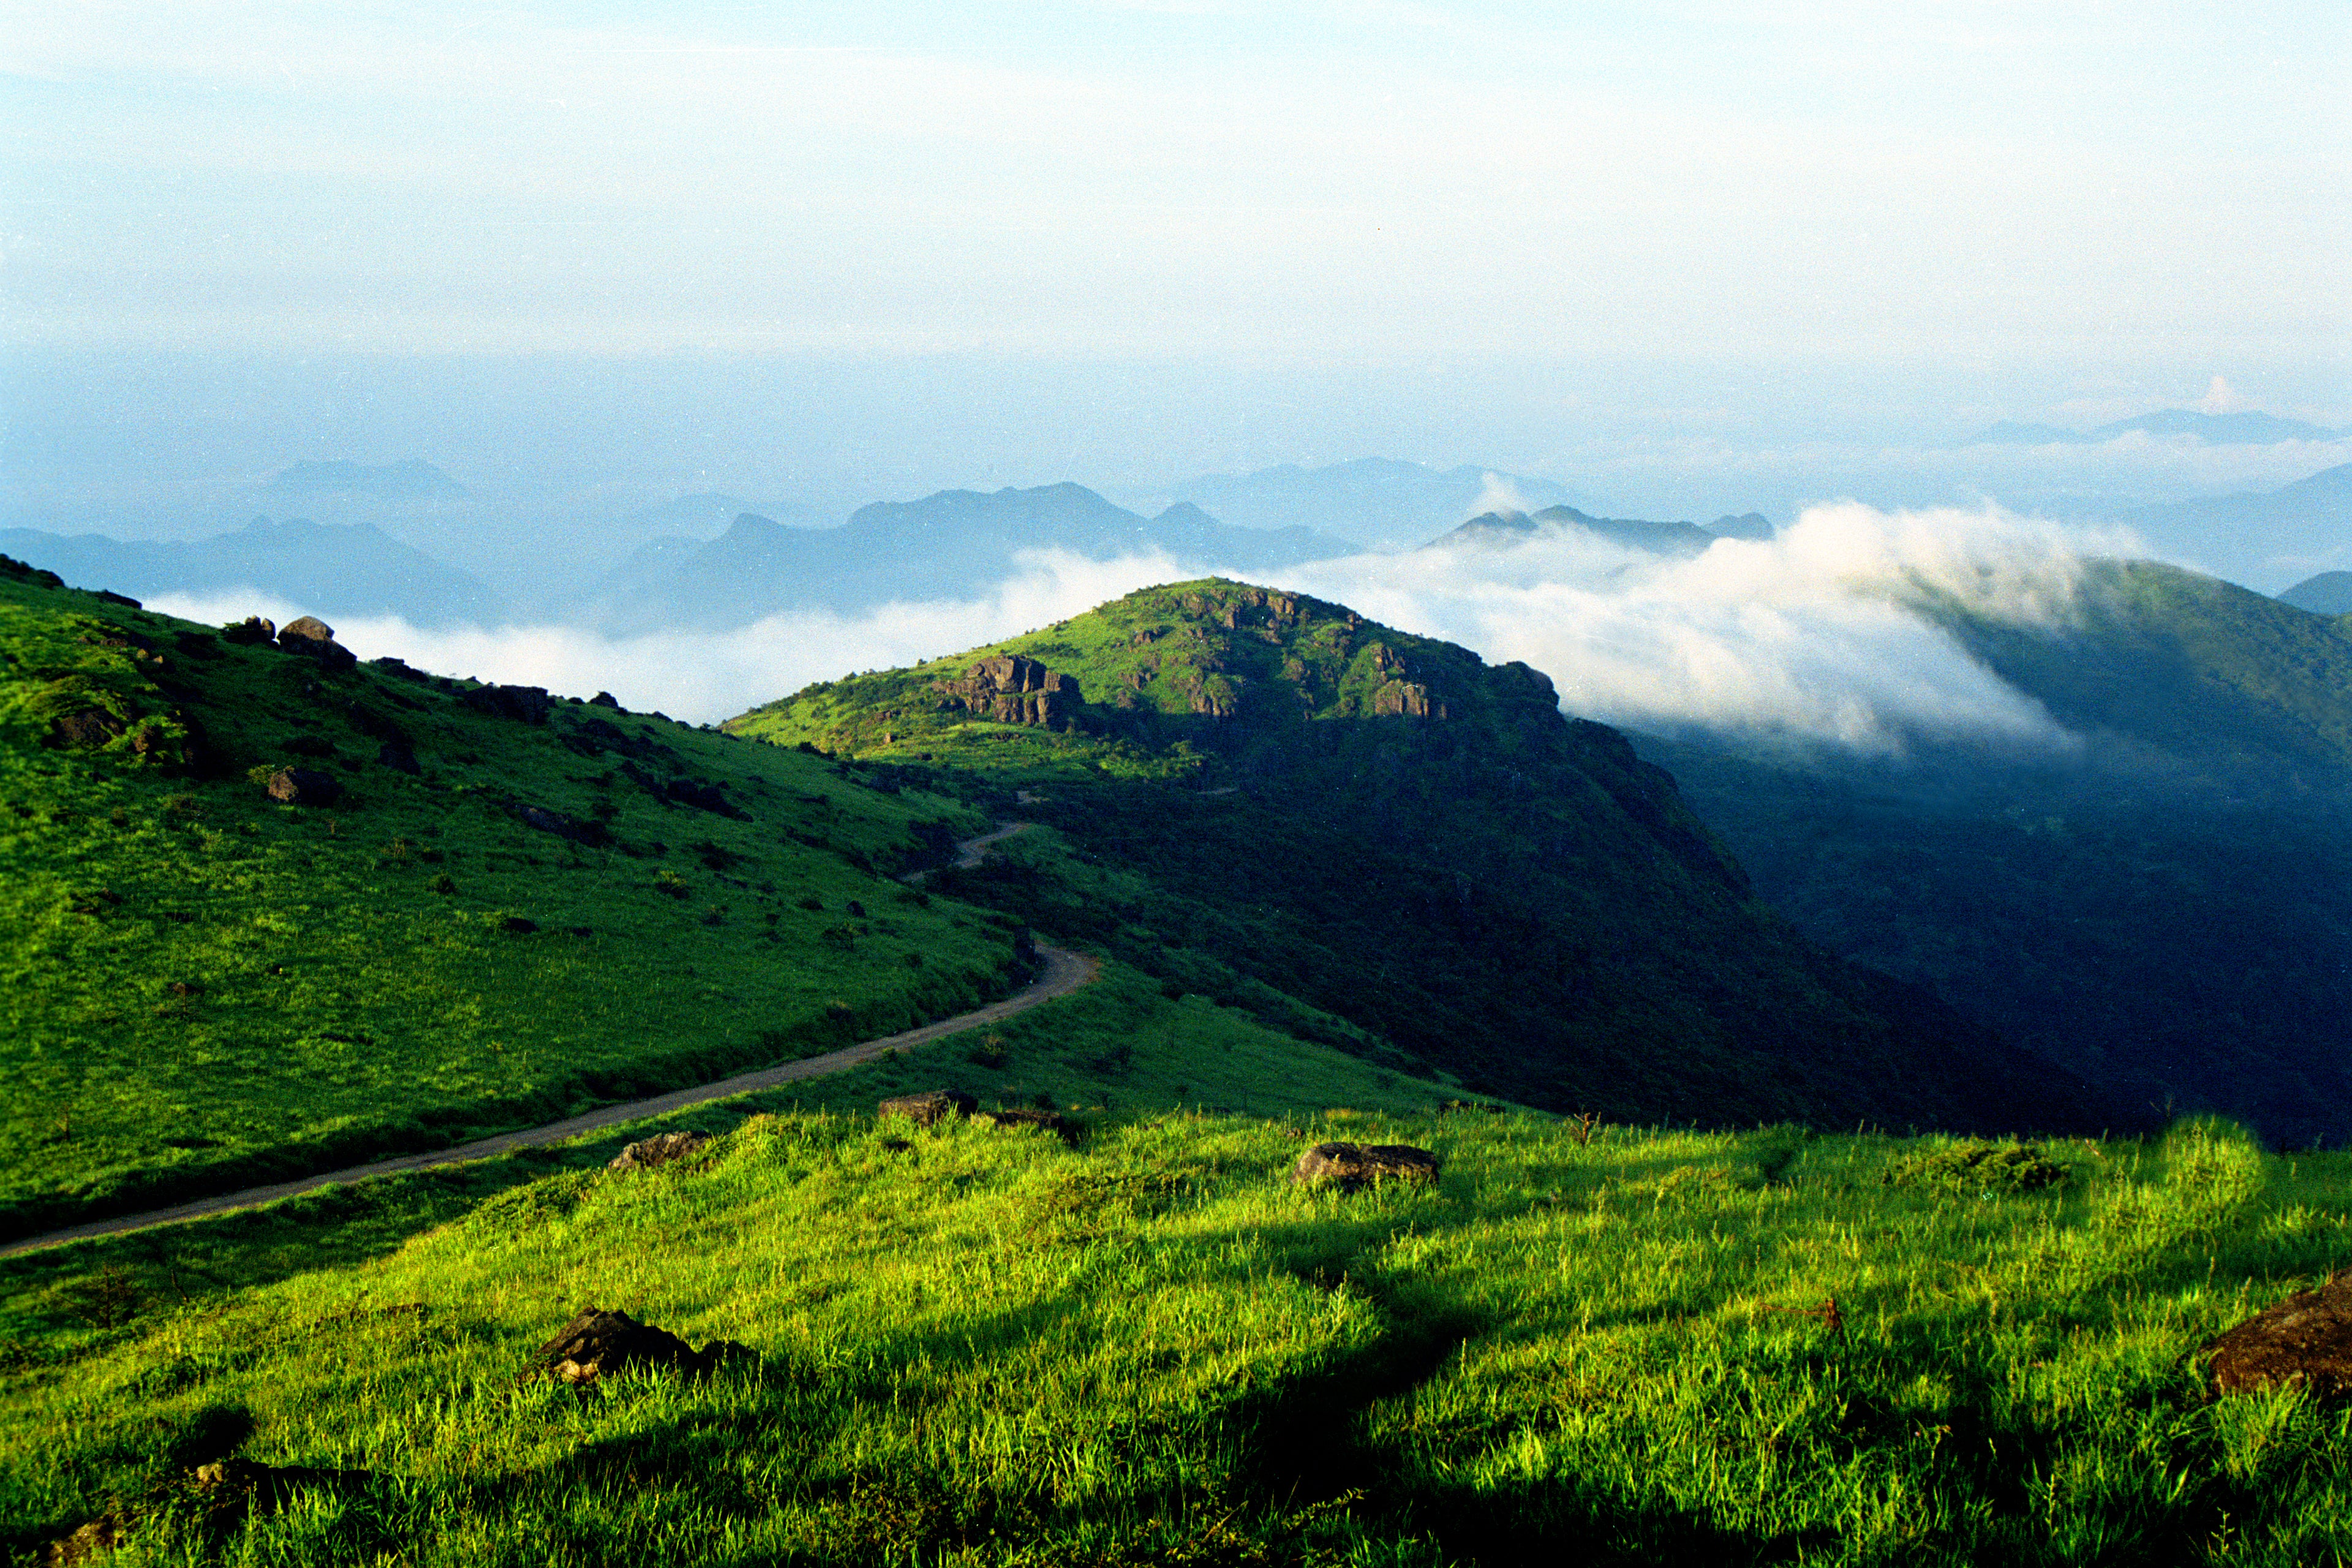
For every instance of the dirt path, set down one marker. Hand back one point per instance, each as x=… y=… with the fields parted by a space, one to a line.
x=1065 y=972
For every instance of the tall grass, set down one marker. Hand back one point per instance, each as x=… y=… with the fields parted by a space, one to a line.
x=981 y=1347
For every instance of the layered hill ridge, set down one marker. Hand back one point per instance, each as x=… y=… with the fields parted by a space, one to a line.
x=944 y=546
x=1267 y=795
x=1681 y=540
x=2163 y=910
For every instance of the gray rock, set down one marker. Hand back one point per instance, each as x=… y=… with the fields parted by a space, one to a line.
x=935 y=1105
x=1354 y=1165
x=658 y=1150
x=314 y=638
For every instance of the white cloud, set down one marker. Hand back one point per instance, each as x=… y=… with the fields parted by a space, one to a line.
x=1817 y=635
x=703 y=676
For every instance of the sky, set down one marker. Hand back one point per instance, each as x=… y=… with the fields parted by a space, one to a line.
x=1686 y=258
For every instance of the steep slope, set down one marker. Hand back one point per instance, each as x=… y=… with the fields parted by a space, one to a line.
x=470 y=908
x=1266 y=796
x=333 y=568
x=948 y=545
x=2165 y=912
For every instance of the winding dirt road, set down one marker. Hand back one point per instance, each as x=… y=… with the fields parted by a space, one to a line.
x=1065 y=972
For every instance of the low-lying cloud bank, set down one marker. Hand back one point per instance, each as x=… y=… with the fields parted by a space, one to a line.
x=1813 y=636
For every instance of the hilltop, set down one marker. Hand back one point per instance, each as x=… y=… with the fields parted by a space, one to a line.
x=1264 y=795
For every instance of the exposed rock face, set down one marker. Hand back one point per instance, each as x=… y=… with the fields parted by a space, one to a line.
x=314 y=638
x=1014 y=691
x=305 y=786
x=251 y=631
x=658 y=1150
x=923 y=1110
x=598 y=1344
x=1397 y=695
x=1352 y=1165
x=606 y=699
x=2305 y=1340
x=523 y=704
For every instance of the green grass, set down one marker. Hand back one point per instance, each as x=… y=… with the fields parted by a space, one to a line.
x=201 y=987
x=979 y=1347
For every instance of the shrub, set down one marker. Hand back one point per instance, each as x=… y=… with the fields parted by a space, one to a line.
x=442 y=884
x=1987 y=1169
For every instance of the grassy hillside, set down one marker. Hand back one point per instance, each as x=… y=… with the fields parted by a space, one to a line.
x=2165 y=912
x=205 y=985
x=1377 y=839
x=978 y=1347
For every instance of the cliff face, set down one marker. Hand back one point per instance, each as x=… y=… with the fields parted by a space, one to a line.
x=1011 y=689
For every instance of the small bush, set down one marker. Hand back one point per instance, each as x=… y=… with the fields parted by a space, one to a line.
x=671 y=883
x=442 y=884
x=990 y=1053
x=1987 y=1169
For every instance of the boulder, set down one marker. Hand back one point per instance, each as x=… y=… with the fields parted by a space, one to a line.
x=314 y=638
x=935 y=1105
x=84 y=728
x=606 y=699
x=596 y=1344
x=658 y=1150
x=304 y=786
x=2303 y=1341
x=1352 y=1165
x=523 y=704
x=252 y=630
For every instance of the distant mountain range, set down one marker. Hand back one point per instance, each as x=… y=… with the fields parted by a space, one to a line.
x=949 y=545
x=1683 y=540
x=2248 y=428
x=1377 y=503
x=352 y=569
x=2293 y=528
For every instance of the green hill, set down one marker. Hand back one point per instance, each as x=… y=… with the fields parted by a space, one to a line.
x=2165 y=911
x=1378 y=839
x=963 y=1346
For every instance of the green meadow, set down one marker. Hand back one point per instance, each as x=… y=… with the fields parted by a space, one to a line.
x=974 y=1346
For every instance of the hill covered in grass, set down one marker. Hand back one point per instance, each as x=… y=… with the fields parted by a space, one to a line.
x=969 y=1346
x=1269 y=799
x=2163 y=910
x=512 y=908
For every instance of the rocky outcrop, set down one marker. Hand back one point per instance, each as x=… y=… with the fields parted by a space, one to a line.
x=305 y=786
x=523 y=704
x=2303 y=1341
x=659 y=1149
x=1353 y=1165
x=595 y=1344
x=934 y=1106
x=1011 y=689
x=314 y=638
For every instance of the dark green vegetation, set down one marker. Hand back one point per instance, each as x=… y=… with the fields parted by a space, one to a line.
x=206 y=987
x=1377 y=840
x=979 y=1347
x=2165 y=912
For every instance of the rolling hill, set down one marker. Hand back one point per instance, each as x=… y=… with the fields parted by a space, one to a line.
x=2165 y=912
x=1267 y=797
